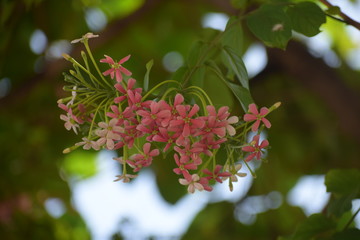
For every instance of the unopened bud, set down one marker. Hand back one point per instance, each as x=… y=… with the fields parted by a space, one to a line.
x=66 y=150
x=66 y=56
x=278 y=104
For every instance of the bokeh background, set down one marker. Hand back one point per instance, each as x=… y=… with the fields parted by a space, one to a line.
x=45 y=194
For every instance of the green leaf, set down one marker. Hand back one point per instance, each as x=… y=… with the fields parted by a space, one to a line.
x=197 y=51
x=233 y=35
x=338 y=206
x=316 y=224
x=333 y=10
x=306 y=18
x=238 y=3
x=146 y=78
x=234 y=61
x=348 y=234
x=197 y=78
x=242 y=94
x=343 y=182
x=271 y=25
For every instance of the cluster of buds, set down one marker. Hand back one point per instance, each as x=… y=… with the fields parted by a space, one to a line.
x=114 y=114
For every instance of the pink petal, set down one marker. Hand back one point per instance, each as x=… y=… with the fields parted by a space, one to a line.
x=108 y=60
x=131 y=83
x=255 y=126
x=250 y=157
x=249 y=117
x=125 y=71
x=107 y=72
x=181 y=110
x=266 y=122
x=146 y=148
x=264 y=111
x=118 y=75
x=186 y=130
x=211 y=110
x=178 y=99
x=264 y=144
x=124 y=59
x=194 y=110
x=248 y=149
x=253 y=109
x=197 y=123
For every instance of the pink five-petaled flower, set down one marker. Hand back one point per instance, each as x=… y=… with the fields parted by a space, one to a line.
x=234 y=171
x=115 y=68
x=257 y=116
x=192 y=182
x=144 y=159
x=87 y=144
x=183 y=168
x=216 y=174
x=109 y=132
x=155 y=115
x=254 y=148
x=186 y=121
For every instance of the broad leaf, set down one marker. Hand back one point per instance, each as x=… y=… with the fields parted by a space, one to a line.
x=146 y=78
x=242 y=94
x=306 y=18
x=233 y=35
x=314 y=225
x=348 y=234
x=343 y=182
x=271 y=25
x=197 y=78
x=234 y=61
x=197 y=52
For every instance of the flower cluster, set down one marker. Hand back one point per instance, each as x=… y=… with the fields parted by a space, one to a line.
x=116 y=115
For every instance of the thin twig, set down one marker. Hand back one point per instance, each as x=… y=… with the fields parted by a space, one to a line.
x=346 y=19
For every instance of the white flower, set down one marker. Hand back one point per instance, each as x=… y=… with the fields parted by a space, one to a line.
x=193 y=184
x=87 y=144
x=109 y=133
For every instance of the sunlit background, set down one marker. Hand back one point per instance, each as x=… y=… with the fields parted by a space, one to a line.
x=55 y=192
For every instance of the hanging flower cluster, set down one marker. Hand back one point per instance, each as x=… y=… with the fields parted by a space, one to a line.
x=116 y=115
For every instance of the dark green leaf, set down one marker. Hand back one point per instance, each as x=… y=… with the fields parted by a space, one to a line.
x=306 y=18
x=348 y=234
x=197 y=52
x=197 y=78
x=271 y=25
x=180 y=74
x=316 y=224
x=146 y=78
x=239 y=3
x=333 y=10
x=343 y=181
x=233 y=35
x=338 y=206
x=234 y=61
x=242 y=94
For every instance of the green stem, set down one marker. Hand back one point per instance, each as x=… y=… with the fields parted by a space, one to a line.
x=251 y=171
x=92 y=122
x=203 y=92
x=351 y=219
x=94 y=63
x=157 y=86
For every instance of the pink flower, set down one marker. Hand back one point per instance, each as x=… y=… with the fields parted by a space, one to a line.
x=127 y=114
x=254 y=148
x=258 y=117
x=70 y=122
x=192 y=182
x=216 y=174
x=182 y=168
x=186 y=121
x=189 y=152
x=144 y=159
x=115 y=68
x=155 y=115
x=125 y=177
x=130 y=84
x=87 y=144
x=163 y=136
x=109 y=133
x=230 y=129
x=234 y=173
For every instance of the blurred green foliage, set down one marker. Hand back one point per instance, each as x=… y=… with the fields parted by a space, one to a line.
x=307 y=135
